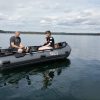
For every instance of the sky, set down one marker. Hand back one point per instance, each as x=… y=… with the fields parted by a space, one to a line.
x=55 y=15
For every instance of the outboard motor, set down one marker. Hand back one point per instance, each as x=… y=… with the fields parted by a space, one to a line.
x=0 y=63
x=4 y=63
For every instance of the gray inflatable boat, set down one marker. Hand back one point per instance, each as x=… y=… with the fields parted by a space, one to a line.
x=9 y=59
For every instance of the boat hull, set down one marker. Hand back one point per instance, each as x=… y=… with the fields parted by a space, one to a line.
x=11 y=61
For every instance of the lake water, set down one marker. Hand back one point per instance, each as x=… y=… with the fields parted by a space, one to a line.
x=76 y=78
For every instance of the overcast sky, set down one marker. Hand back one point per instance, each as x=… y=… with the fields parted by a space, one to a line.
x=54 y=15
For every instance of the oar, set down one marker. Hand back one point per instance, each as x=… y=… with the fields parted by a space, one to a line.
x=9 y=51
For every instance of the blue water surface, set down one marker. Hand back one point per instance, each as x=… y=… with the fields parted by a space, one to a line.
x=76 y=78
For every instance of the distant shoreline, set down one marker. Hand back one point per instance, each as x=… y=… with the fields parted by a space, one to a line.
x=54 y=33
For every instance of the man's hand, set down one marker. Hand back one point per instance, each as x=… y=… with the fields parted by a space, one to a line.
x=22 y=46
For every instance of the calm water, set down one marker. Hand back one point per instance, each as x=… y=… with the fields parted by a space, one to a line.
x=76 y=78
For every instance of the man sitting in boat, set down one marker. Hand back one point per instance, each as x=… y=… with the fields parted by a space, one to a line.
x=49 y=42
x=15 y=43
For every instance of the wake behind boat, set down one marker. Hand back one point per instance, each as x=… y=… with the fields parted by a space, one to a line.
x=10 y=59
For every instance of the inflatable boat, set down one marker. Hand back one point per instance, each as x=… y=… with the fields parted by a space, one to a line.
x=10 y=59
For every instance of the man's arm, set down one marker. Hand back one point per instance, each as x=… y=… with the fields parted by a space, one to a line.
x=48 y=44
x=14 y=46
x=21 y=46
x=50 y=41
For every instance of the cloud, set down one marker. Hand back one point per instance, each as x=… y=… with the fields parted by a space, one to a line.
x=85 y=17
x=3 y=17
x=56 y=15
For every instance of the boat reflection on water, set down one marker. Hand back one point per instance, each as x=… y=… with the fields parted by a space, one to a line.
x=47 y=71
x=49 y=74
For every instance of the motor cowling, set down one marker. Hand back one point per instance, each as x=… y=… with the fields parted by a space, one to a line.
x=4 y=62
x=0 y=62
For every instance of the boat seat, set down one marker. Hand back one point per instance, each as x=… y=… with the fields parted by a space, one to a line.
x=58 y=45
